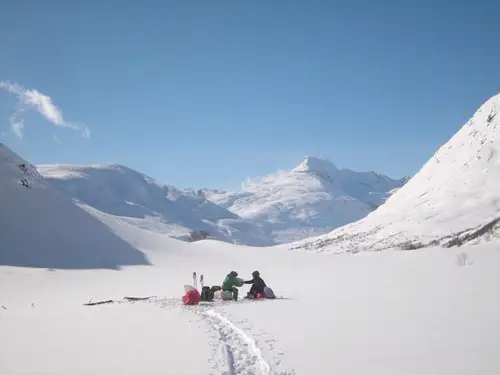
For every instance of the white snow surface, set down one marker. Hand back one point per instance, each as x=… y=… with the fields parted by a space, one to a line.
x=454 y=197
x=431 y=311
x=311 y=199
x=141 y=200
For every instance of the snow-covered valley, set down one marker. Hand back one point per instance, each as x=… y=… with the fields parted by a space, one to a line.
x=423 y=305
x=430 y=311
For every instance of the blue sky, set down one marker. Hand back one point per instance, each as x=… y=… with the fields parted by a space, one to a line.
x=208 y=93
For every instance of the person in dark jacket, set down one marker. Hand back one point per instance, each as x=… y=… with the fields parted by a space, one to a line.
x=258 y=285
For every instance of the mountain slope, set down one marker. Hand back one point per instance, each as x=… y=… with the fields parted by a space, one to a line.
x=309 y=200
x=136 y=198
x=41 y=228
x=454 y=198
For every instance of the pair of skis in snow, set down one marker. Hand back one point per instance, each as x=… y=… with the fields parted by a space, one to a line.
x=195 y=280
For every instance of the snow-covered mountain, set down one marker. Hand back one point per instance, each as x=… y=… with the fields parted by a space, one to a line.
x=41 y=228
x=136 y=198
x=311 y=199
x=454 y=198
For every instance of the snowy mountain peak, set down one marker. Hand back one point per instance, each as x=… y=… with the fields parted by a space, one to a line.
x=322 y=167
x=312 y=198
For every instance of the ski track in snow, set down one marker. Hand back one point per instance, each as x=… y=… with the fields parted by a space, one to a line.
x=235 y=352
x=241 y=353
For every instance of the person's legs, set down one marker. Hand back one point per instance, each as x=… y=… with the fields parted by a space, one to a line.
x=252 y=291
x=235 y=293
x=259 y=289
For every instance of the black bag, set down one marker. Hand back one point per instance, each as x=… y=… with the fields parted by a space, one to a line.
x=206 y=294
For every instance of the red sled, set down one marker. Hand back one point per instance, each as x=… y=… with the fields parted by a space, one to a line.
x=192 y=297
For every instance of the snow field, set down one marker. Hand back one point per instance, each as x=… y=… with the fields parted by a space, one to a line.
x=412 y=312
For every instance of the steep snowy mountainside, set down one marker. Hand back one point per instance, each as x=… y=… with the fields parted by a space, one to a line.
x=145 y=202
x=41 y=228
x=311 y=199
x=454 y=198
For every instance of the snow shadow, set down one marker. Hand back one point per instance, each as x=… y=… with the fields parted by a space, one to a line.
x=42 y=228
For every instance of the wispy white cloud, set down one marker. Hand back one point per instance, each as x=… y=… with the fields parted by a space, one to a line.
x=56 y=139
x=17 y=126
x=35 y=100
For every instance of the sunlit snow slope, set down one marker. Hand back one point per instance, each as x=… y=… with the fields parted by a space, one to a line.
x=140 y=200
x=41 y=228
x=313 y=198
x=453 y=199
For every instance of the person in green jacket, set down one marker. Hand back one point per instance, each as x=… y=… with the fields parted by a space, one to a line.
x=231 y=282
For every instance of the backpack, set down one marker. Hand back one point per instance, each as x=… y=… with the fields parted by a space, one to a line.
x=268 y=293
x=192 y=297
x=206 y=294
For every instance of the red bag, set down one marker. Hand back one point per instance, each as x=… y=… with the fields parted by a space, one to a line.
x=192 y=297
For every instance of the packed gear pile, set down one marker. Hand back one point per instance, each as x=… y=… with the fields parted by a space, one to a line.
x=228 y=290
